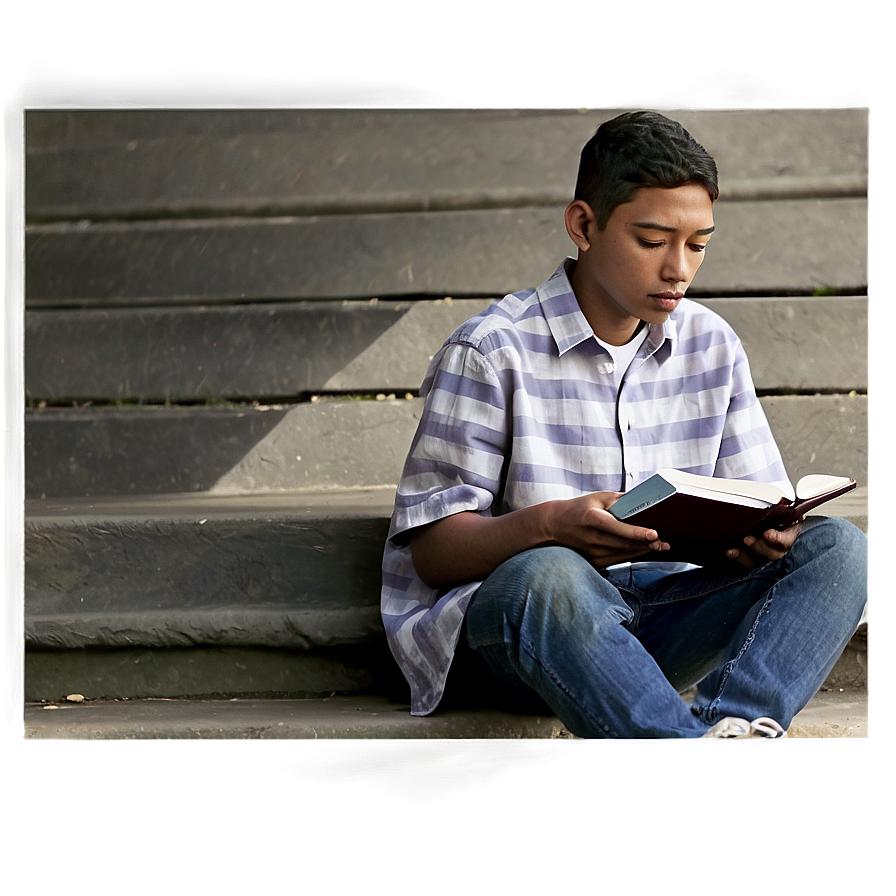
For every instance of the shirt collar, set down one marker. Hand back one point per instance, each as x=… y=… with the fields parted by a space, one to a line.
x=568 y=325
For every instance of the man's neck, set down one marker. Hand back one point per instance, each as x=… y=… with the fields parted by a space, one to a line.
x=621 y=340
x=612 y=329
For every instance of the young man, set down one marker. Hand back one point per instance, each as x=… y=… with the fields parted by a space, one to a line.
x=503 y=562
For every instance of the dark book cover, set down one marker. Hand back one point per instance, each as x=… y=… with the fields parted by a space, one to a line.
x=700 y=529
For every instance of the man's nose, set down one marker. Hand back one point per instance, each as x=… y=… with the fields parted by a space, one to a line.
x=675 y=267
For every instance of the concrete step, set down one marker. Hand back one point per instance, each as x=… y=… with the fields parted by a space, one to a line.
x=268 y=351
x=831 y=713
x=210 y=671
x=804 y=245
x=282 y=571
x=170 y=163
x=224 y=450
x=200 y=594
x=171 y=596
x=328 y=444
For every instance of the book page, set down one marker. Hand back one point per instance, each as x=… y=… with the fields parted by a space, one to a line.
x=817 y=484
x=726 y=489
x=715 y=494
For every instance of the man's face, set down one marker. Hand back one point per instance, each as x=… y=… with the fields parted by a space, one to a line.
x=641 y=264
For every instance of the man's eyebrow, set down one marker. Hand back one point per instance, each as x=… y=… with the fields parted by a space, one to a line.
x=650 y=225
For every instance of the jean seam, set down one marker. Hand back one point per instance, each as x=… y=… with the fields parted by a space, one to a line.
x=710 y=713
x=550 y=674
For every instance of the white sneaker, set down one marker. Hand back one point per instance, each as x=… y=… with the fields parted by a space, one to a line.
x=734 y=727
x=765 y=727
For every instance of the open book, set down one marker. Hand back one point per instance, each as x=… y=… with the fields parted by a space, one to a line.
x=702 y=516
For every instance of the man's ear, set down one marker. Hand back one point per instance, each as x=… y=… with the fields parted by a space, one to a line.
x=580 y=221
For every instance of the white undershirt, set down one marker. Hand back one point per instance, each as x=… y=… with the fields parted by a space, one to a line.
x=623 y=355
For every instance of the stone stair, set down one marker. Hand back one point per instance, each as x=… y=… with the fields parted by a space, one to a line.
x=228 y=315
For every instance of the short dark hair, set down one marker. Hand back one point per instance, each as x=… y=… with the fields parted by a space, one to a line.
x=640 y=149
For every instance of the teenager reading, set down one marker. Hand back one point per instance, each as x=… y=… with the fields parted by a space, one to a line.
x=505 y=574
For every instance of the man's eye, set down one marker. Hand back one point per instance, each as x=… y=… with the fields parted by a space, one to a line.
x=698 y=247
x=649 y=245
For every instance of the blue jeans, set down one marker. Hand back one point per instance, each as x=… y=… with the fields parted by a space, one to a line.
x=610 y=652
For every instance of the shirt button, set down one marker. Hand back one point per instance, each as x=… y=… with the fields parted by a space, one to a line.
x=605 y=367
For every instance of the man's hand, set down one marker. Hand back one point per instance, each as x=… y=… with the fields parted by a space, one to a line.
x=586 y=525
x=773 y=544
x=469 y=546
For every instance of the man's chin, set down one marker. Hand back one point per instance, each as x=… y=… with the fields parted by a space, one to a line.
x=656 y=316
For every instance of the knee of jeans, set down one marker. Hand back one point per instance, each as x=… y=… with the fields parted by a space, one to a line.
x=565 y=592
x=834 y=534
x=555 y=567
x=846 y=547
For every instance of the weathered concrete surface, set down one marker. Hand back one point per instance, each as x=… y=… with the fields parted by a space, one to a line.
x=839 y=712
x=850 y=672
x=190 y=672
x=264 y=351
x=139 y=450
x=789 y=246
x=328 y=444
x=270 y=351
x=152 y=163
x=227 y=450
x=801 y=344
x=224 y=621
x=335 y=717
x=830 y=714
x=821 y=433
x=254 y=673
x=301 y=572
x=206 y=595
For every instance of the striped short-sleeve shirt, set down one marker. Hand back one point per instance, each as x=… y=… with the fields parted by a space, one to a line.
x=522 y=406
